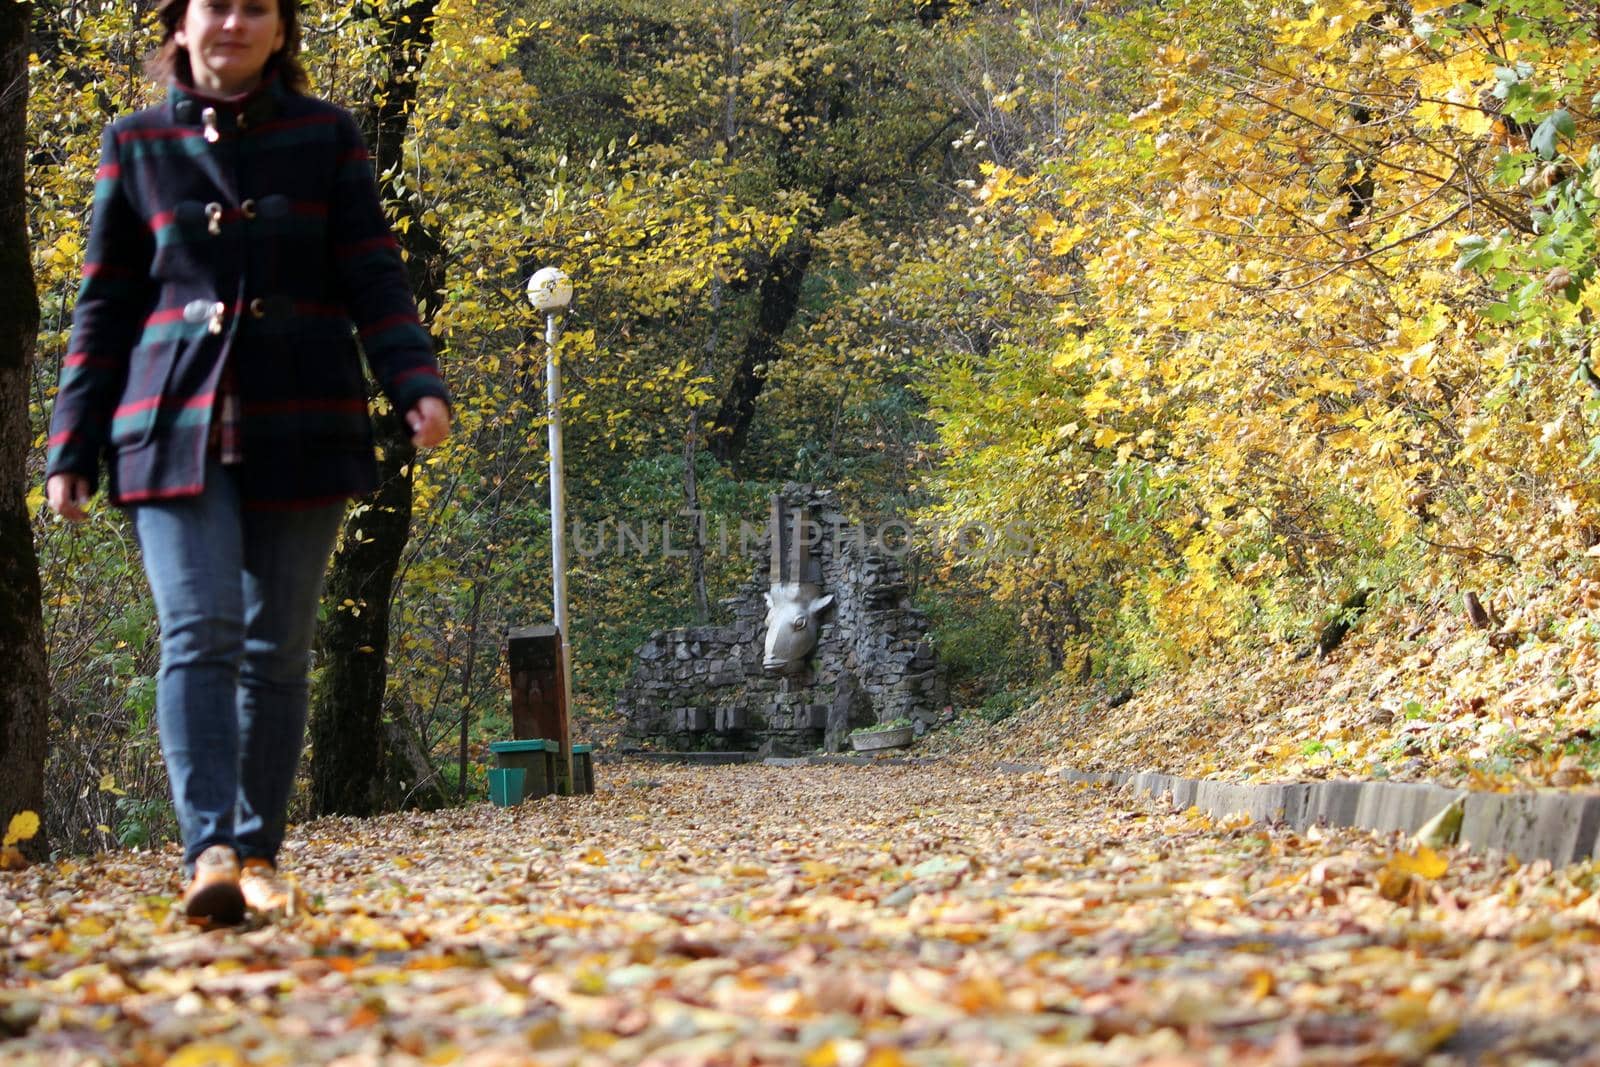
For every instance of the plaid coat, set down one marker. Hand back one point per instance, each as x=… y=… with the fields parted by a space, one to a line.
x=245 y=232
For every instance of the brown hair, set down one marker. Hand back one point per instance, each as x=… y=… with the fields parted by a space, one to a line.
x=169 y=62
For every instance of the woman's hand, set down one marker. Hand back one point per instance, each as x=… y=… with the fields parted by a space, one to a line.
x=429 y=421
x=67 y=494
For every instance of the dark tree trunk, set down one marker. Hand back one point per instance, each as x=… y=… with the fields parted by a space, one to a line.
x=347 y=752
x=780 y=299
x=24 y=694
x=348 y=761
x=697 y=523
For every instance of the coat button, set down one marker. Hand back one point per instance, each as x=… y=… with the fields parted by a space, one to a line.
x=248 y=209
x=258 y=308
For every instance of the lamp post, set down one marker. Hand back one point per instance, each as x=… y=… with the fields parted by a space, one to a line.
x=550 y=291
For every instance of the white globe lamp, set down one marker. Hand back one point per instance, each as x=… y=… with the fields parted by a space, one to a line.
x=550 y=290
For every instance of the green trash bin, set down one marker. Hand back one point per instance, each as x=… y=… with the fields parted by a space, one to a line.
x=583 y=768
x=535 y=758
x=505 y=786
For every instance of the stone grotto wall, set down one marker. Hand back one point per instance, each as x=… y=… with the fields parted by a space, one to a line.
x=703 y=687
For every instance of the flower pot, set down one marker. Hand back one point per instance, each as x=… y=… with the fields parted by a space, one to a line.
x=899 y=737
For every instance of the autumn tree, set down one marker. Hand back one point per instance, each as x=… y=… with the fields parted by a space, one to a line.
x=23 y=699
x=1277 y=309
x=347 y=726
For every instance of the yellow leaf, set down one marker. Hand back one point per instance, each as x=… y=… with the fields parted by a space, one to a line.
x=24 y=824
x=824 y=1055
x=108 y=784
x=1261 y=983
x=1065 y=240
x=204 y=1054
x=1424 y=862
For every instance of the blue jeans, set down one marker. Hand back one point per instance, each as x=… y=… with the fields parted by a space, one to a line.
x=236 y=592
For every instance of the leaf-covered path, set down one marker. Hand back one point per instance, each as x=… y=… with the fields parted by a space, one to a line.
x=823 y=915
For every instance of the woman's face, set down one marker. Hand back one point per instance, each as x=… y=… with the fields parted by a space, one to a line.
x=229 y=42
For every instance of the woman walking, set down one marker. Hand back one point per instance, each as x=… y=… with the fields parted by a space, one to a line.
x=237 y=235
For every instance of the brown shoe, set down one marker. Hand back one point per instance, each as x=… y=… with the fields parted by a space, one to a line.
x=265 y=890
x=213 y=895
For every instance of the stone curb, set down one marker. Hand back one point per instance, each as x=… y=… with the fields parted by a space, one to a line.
x=717 y=758
x=651 y=756
x=842 y=760
x=1558 y=826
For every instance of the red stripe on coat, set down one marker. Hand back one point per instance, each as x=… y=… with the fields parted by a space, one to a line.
x=105 y=270
x=192 y=489
x=389 y=322
x=407 y=375
x=159 y=318
x=291 y=124
x=166 y=133
x=84 y=359
x=149 y=402
x=371 y=244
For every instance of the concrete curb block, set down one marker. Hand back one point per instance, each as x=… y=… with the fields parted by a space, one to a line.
x=719 y=758
x=1558 y=826
x=1023 y=768
x=704 y=758
x=867 y=761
